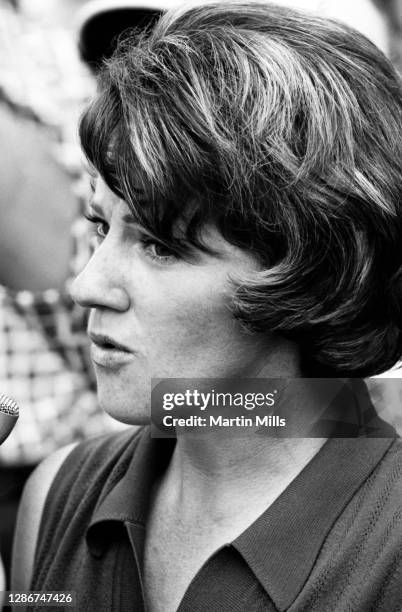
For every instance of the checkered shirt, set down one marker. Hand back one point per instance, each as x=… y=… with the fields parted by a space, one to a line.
x=45 y=368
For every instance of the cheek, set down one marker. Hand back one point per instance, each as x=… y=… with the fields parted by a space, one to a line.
x=186 y=314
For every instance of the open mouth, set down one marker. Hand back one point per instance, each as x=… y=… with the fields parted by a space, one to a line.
x=109 y=354
x=106 y=343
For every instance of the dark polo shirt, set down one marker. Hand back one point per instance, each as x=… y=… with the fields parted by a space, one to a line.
x=331 y=541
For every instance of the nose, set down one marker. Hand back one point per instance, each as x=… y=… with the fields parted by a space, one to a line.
x=100 y=284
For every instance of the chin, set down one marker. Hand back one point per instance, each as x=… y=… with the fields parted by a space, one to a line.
x=130 y=410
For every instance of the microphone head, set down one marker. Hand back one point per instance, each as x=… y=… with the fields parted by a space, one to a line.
x=9 y=413
x=8 y=405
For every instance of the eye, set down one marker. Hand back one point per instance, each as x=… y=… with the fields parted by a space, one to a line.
x=100 y=226
x=156 y=250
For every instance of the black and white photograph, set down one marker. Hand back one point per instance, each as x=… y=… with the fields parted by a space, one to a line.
x=201 y=305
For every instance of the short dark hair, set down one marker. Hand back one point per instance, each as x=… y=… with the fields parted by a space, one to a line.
x=284 y=131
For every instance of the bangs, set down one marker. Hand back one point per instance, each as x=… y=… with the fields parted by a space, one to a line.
x=134 y=144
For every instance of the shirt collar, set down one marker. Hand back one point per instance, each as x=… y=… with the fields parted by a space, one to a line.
x=281 y=546
x=127 y=502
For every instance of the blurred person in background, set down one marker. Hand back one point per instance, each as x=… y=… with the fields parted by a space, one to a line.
x=44 y=364
x=42 y=352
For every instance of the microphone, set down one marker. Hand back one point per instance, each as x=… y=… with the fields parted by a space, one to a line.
x=9 y=413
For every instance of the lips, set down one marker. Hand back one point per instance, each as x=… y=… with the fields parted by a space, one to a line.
x=108 y=352
x=107 y=342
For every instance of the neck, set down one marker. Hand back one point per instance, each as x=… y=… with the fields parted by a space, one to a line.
x=217 y=478
x=220 y=476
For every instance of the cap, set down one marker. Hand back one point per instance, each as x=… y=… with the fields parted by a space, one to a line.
x=100 y=22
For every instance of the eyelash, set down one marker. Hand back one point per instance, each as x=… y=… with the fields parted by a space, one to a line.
x=146 y=241
x=97 y=221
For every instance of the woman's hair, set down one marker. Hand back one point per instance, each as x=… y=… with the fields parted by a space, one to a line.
x=283 y=130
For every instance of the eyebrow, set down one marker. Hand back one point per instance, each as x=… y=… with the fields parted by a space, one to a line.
x=95 y=207
x=127 y=218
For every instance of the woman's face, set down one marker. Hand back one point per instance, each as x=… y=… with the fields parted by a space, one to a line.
x=154 y=315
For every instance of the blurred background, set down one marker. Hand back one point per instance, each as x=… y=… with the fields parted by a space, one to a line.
x=50 y=51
